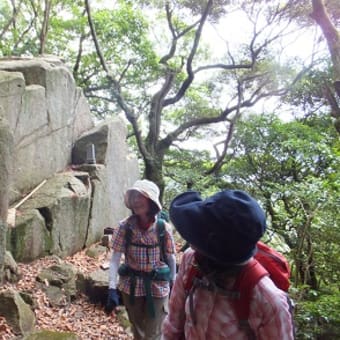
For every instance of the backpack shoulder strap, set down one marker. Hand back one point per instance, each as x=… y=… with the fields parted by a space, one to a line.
x=245 y=282
x=128 y=238
x=193 y=273
x=161 y=238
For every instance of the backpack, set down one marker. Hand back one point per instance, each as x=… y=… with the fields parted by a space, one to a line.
x=267 y=261
x=160 y=228
x=276 y=265
x=159 y=275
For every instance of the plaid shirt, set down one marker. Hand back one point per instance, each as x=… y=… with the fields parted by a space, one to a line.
x=269 y=317
x=142 y=258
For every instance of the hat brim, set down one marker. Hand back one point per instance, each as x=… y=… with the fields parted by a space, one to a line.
x=145 y=194
x=224 y=227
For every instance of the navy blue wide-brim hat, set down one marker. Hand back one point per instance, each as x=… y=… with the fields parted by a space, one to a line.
x=225 y=227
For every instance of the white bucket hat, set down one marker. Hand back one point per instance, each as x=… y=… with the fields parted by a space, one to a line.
x=146 y=188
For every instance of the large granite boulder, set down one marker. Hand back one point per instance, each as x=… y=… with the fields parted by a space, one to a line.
x=61 y=287
x=17 y=313
x=45 y=130
x=50 y=335
x=115 y=171
x=54 y=220
x=6 y=149
x=46 y=113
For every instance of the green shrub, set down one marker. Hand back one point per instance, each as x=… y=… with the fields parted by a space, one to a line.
x=317 y=315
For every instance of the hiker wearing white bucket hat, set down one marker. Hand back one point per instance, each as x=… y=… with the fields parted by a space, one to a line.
x=149 y=267
x=146 y=188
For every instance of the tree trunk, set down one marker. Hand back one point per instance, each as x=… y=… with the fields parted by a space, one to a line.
x=332 y=36
x=44 y=29
x=320 y=15
x=154 y=172
x=310 y=273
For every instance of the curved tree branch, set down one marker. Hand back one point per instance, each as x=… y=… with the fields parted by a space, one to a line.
x=190 y=74
x=12 y=19
x=332 y=36
x=220 y=159
x=115 y=87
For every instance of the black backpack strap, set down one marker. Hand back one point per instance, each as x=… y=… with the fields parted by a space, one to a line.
x=161 y=230
x=161 y=239
x=128 y=238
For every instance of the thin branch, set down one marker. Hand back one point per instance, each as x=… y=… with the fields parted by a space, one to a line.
x=190 y=74
x=116 y=88
x=11 y=20
x=94 y=37
x=79 y=55
x=175 y=36
x=219 y=162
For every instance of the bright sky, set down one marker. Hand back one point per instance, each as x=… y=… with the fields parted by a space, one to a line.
x=298 y=46
x=237 y=29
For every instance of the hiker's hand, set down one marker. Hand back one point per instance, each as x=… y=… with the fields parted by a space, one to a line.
x=112 y=301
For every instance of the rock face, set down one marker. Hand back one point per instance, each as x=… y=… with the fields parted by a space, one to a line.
x=46 y=114
x=45 y=133
x=17 y=313
x=110 y=178
x=46 y=335
x=54 y=221
x=6 y=149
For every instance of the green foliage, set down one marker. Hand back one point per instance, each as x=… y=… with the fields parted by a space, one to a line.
x=123 y=34
x=196 y=104
x=184 y=170
x=22 y=36
x=309 y=93
x=292 y=168
x=318 y=315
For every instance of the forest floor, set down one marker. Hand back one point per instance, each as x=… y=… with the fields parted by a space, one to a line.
x=81 y=317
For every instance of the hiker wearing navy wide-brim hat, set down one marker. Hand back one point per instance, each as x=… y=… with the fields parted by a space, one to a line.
x=221 y=291
x=225 y=226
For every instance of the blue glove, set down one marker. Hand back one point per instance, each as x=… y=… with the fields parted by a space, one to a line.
x=112 y=300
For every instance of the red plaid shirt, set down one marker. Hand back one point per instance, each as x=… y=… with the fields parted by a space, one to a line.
x=142 y=258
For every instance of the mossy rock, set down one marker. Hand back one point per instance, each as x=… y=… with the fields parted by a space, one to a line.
x=51 y=335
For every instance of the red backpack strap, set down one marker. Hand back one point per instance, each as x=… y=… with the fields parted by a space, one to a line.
x=245 y=282
x=193 y=272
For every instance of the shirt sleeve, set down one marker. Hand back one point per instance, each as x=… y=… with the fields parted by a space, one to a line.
x=173 y=325
x=273 y=304
x=118 y=238
x=113 y=270
x=172 y=265
x=170 y=251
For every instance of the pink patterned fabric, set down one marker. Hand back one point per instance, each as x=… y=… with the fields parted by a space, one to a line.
x=142 y=259
x=270 y=317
